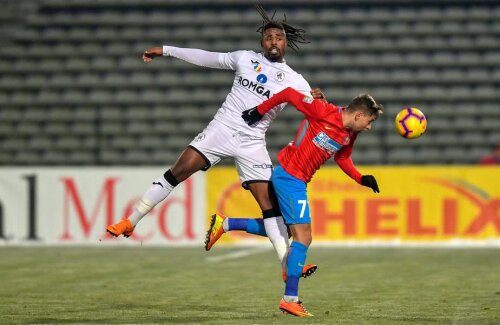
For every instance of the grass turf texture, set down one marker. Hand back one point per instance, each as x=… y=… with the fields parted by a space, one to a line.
x=178 y=285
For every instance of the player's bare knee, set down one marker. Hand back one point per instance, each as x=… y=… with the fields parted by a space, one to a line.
x=307 y=235
x=305 y=239
x=302 y=234
x=308 y=240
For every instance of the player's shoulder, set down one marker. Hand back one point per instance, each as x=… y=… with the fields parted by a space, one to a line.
x=301 y=81
x=290 y=70
x=337 y=110
x=332 y=111
x=297 y=76
x=240 y=57
x=240 y=54
x=246 y=53
x=298 y=81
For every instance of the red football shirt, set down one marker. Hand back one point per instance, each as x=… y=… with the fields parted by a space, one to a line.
x=320 y=136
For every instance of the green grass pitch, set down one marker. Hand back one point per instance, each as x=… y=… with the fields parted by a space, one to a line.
x=178 y=285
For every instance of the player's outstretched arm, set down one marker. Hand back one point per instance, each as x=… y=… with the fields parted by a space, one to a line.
x=152 y=53
x=289 y=95
x=195 y=56
x=348 y=167
x=344 y=161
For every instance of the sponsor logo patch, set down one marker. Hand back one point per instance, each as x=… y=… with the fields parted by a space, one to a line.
x=254 y=86
x=157 y=183
x=307 y=99
x=323 y=141
x=256 y=66
x=262 y=78
x=263 y=166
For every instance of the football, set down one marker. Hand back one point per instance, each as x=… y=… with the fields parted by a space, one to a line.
x=410 y=123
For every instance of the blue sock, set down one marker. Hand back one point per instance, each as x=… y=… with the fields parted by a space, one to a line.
x=296 y=259
x=237 y=224
x=251 y=226
x=256 y=227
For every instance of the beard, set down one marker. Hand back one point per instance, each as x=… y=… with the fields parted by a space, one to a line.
x=274 y=55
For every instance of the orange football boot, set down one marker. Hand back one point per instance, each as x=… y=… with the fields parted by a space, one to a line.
x=215 y=231
x=294 y=308
x=307 y=271
x=124 y=227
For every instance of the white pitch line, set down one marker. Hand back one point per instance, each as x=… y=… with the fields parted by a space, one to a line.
x=238 y=254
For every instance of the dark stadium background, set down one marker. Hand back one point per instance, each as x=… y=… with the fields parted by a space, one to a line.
x=74 y=90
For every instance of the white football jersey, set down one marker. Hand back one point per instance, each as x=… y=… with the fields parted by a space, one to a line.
x=256 y=80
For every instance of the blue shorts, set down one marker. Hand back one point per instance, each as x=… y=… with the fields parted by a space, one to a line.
x=292 y=197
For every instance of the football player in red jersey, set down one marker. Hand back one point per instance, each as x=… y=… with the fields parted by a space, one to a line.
x=326 y=131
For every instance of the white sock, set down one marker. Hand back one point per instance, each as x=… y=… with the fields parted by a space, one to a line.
x=225 y=224
x=291 y=298
x=156 y=193
x=278 y=235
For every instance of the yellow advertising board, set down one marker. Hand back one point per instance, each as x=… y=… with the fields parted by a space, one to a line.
x=416 y=204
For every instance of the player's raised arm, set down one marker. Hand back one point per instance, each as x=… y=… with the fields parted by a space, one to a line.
x=288 y=95
x=195 y=56
x=343 y=159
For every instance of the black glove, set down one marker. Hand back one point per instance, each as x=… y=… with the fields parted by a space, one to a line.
x=371 y=182
x=251 y=116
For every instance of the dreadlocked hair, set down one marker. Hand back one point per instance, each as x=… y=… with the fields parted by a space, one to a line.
x=293 y=35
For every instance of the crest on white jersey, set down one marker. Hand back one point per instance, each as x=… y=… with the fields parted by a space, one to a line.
x=280 y=76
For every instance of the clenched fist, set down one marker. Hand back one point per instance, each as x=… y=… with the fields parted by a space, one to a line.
x=152 y=53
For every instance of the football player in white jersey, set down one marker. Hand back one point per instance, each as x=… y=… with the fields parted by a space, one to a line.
x=258 y=76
